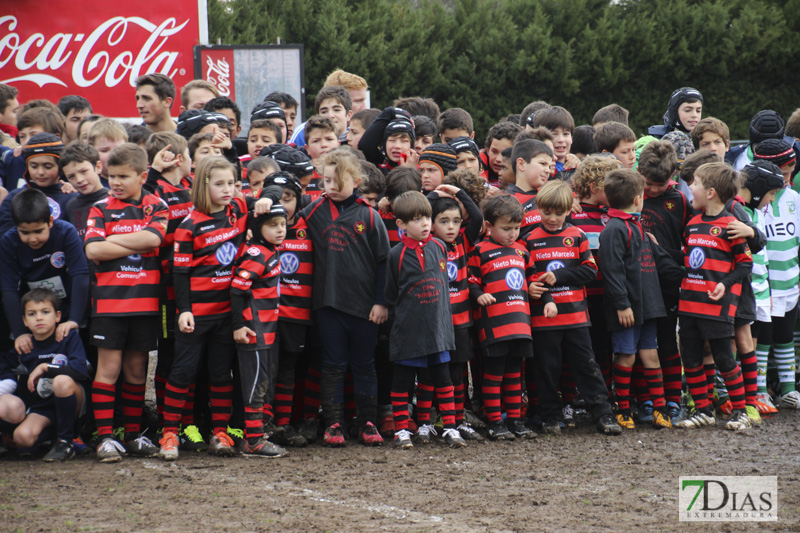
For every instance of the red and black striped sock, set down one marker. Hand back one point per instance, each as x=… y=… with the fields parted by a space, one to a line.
x=103 y=395
x=710 y=370
x=639 y=382
x=187 y=416
x=444 y=395
x=284 y=393
x=671 y=372
x=622 y=386
x=174 y=402
x=311 y=399
x=512 y=393
x=749 y=365
x=491 y=396
x=735 y=385
x=221 y=399
x=400 y=408
x=132 y=407
x=253 y=423
x=655 y=386
x=698 y=386
x=269 y=414
x=424 y=402
x=458 y=399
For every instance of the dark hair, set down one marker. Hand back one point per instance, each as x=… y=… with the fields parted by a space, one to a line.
x=321 y=123
x=554 y=117
x=622 y=186
x=712 y=125
x=129 y=154
x=89 y=118
x=266 y=124
x=336 y=92
x=513 y=117
x=721 y=177
x=78 y=152
x=443 y=204
x=530 y=109
x=223 y=102
x=365 y=117
x=502 y=206
x=402 y=179
x=7 y=93
x=263 y=164
x=610 y=113
x=608 y=136
x=374 y=181
x=502 y=130
x=40 y=296
x=583 y=140
x=281 y=98
x=41 y=102
x=455 y=118
x=137 y=133
x=658 y=161
x=468 y=181
x=695 y=161
x=159 y=140
x=425 y=126
x=537 y=134
x=411 y=204
x=417 y=105
x=527 y=149
x=73 y=102
x=49 y=120
x=162 y=84
x=195 y=141
x=29 y=206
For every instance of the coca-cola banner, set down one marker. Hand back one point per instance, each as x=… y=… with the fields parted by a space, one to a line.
x=249 y=73
x=97 y=48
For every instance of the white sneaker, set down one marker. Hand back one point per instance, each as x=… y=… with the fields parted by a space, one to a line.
x=453 y=438
x=425 y=433
x=739 y=421
x=110 y=451
x=790 y=400
x=697 y=420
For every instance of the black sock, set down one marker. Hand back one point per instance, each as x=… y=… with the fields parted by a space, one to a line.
x=65 y=411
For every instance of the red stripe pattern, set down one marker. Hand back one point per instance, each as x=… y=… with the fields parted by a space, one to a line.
x=297 y=274
x=256 y=277
x=592 y=220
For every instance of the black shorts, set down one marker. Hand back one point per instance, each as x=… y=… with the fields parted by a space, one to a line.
x=138 y=333
x=292 y=336
x=692 y=327
x=217 y=330
x=46 y=407
x=463 y=351
x=522 y=348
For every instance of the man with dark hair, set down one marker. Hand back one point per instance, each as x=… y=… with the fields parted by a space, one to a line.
x=154 y=96
x=74 y=108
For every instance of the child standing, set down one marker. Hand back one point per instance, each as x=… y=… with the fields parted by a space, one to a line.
x=422 y=335
x=715 y=269
x=80 y=164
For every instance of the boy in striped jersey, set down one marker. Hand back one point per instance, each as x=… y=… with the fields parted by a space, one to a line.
x=559 y=313
x=531 y=161
x=716 y=266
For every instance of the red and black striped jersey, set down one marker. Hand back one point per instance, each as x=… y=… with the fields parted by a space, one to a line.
x=205 y=249
x=179 y=202
x=314 y=188
x=712 y=258
x=129 y=285
x=395 y=234
x=665 y=217
x=457 y=257
x=501 y=271
x=566 y=254
x=297 y=274
x=256 y=277
x=530 y=213
x=592 y=219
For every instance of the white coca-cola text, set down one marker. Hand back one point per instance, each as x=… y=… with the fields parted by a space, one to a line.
x=223 y=71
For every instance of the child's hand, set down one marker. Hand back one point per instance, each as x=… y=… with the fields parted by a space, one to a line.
x=164 y=159
x=550 y=310
x=717 y=293
x=411 y=159
x=571 y=162
x=242 y=335
x=33 y=379
x=67 y=188
x=549 y=278
x=739 y=230
x=446 y=191
x=24 y=343
x=486 y=299
x=536 y=289
x=63 y=329
x=493 y=191
x=653 y=238
x=625 y=317
x=384 y=206
x=18 y=151
x=378 y=314
x=186 y=322
x=262 y=206
x=220 y=140
x=576 y=205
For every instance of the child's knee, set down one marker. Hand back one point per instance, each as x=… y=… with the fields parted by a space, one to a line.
x=63 y=386
x=25 y=437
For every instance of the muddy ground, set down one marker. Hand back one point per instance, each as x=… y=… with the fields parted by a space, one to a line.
x=580 y=481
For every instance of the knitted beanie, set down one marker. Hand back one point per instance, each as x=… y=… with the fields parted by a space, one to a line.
x=442 y=155
x=43 y=144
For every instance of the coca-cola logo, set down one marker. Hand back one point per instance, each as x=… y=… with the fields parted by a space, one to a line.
x=222 y=70
x=106 y=54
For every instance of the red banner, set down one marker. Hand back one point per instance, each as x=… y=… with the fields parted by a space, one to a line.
x=96 y=49
x=217 y=67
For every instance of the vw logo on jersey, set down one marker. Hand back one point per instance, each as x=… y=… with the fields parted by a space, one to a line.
x=515 y=279
x=554 y=265
x=452 y=270
x=226 y=253
x=55 y=209
x=58 y=260
x=135 y=257
x=289 y=263
x=697 y=258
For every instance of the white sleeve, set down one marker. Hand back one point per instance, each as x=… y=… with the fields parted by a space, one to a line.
x=8 y=386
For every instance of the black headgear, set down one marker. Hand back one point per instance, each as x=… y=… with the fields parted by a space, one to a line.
x=766 y=124
x=192 y=121
x=678 y=97
x=760 y=178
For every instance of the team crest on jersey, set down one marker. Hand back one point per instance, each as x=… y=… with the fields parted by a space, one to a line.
x=232 y=220
x=55 y=209
x=148 y=210
x=520 y=253
x=443 y=265
x=715 y=231
x=301 y=234
x=554 y=265
x=361 y=227
x=452 y=270
x=289 y=263
x=569 y=241
x=789 y=205
x=226 y=253
x=253 y=251
x=697 y=259
x=58 y=260
x=669 y=205
x=515 y=279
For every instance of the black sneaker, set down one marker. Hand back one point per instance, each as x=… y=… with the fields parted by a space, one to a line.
x=288 y=436
x=263 y=448
x=499 y=431
x=551 y=426
x=62 y=450
x=309 y=429
x=519 y=429
x=141 y=446
x=608 y=425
